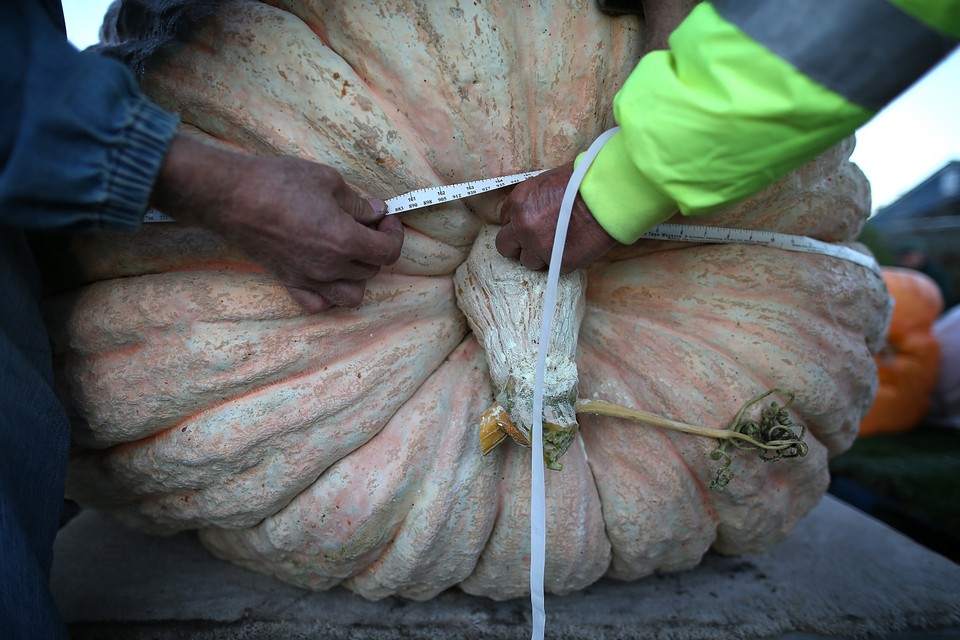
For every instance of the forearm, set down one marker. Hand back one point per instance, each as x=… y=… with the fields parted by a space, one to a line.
x=197 y=183
x=80 y=146
x=660 y=18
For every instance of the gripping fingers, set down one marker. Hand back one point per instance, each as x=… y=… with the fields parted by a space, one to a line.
x=381 y=245
x=509 y=245
x=324 y=295
x=365 y=211
x=531 y=260
x=343 y=293
x=311 y=301
x=356 y=270
x=507 y=242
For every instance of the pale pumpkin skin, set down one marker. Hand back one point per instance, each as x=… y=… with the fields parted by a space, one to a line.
x=342 y=448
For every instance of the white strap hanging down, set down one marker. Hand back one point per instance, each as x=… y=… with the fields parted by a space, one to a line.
x=538 y=517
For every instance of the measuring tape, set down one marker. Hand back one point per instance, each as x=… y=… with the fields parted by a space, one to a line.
x=728 y=235
x=430 y=196
x=436 y=195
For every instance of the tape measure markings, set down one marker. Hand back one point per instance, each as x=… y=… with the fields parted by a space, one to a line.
x=436 y=195
x=153 y=215
x=786 y=241
x=429 y=196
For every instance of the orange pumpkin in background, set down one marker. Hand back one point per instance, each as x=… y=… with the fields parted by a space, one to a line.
x=908 y=365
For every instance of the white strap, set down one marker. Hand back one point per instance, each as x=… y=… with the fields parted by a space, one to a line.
x=538 y=518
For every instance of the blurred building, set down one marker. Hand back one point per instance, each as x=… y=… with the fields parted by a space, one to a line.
x=923 y=225
x=933 y=204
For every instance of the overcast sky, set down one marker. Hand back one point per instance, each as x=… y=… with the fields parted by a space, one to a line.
x=906 y=143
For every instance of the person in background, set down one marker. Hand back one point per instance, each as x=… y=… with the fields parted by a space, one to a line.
x=945 y=401
x=912 y=255
x=746 y=91
x=81 y=149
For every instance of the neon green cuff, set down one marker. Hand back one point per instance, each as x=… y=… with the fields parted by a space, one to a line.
x=623 y=200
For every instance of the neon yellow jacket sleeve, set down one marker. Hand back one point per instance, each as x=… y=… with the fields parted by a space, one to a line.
x=708 y=122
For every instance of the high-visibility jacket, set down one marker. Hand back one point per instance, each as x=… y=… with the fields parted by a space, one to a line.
x=748 y=91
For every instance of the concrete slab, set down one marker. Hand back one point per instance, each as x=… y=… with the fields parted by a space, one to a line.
x=841 y=575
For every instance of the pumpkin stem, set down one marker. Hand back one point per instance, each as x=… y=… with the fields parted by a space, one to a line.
x=773 y=434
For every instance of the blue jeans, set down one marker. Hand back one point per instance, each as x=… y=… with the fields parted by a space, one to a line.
x=34 y=441
x=80 y=150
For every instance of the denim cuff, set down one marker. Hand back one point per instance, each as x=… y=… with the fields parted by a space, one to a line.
x=135 y=164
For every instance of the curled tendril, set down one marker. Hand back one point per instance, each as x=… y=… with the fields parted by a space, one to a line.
x=773 y=435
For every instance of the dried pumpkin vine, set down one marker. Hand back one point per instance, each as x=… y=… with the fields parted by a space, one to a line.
x=773 y=434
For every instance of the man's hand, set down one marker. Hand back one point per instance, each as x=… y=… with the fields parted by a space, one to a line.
x=298 y=219
x=529 y=218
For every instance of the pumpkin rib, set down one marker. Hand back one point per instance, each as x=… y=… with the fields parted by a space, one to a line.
x=426 y=256
x=698 y=449
x=654 y=536
x=197 y=461
x=365 y=355
x=263 y=388
x=728 y=539
x=304 y=338
x=388 y=68
x=277 y=43
x=463 y=359
x=797 y=324
x=412 y=541
x=403 y=126
x=578 y=552
x=660 y=327
x=665 y=435
x=529 y=99
x=406 y=132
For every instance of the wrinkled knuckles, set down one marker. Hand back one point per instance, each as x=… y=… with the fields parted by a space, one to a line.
x=310 y=301
x=345 y=293
x=329 y=177
x=507 y=244
x=531 y=260
x=364 y=271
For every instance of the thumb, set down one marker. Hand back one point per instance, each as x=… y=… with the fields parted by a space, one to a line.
x=379 y=207
x=366 y=211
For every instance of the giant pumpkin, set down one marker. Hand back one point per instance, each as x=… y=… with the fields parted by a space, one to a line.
x=343 y=448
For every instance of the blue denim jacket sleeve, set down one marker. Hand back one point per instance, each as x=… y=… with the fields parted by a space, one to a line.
x=80 y=145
